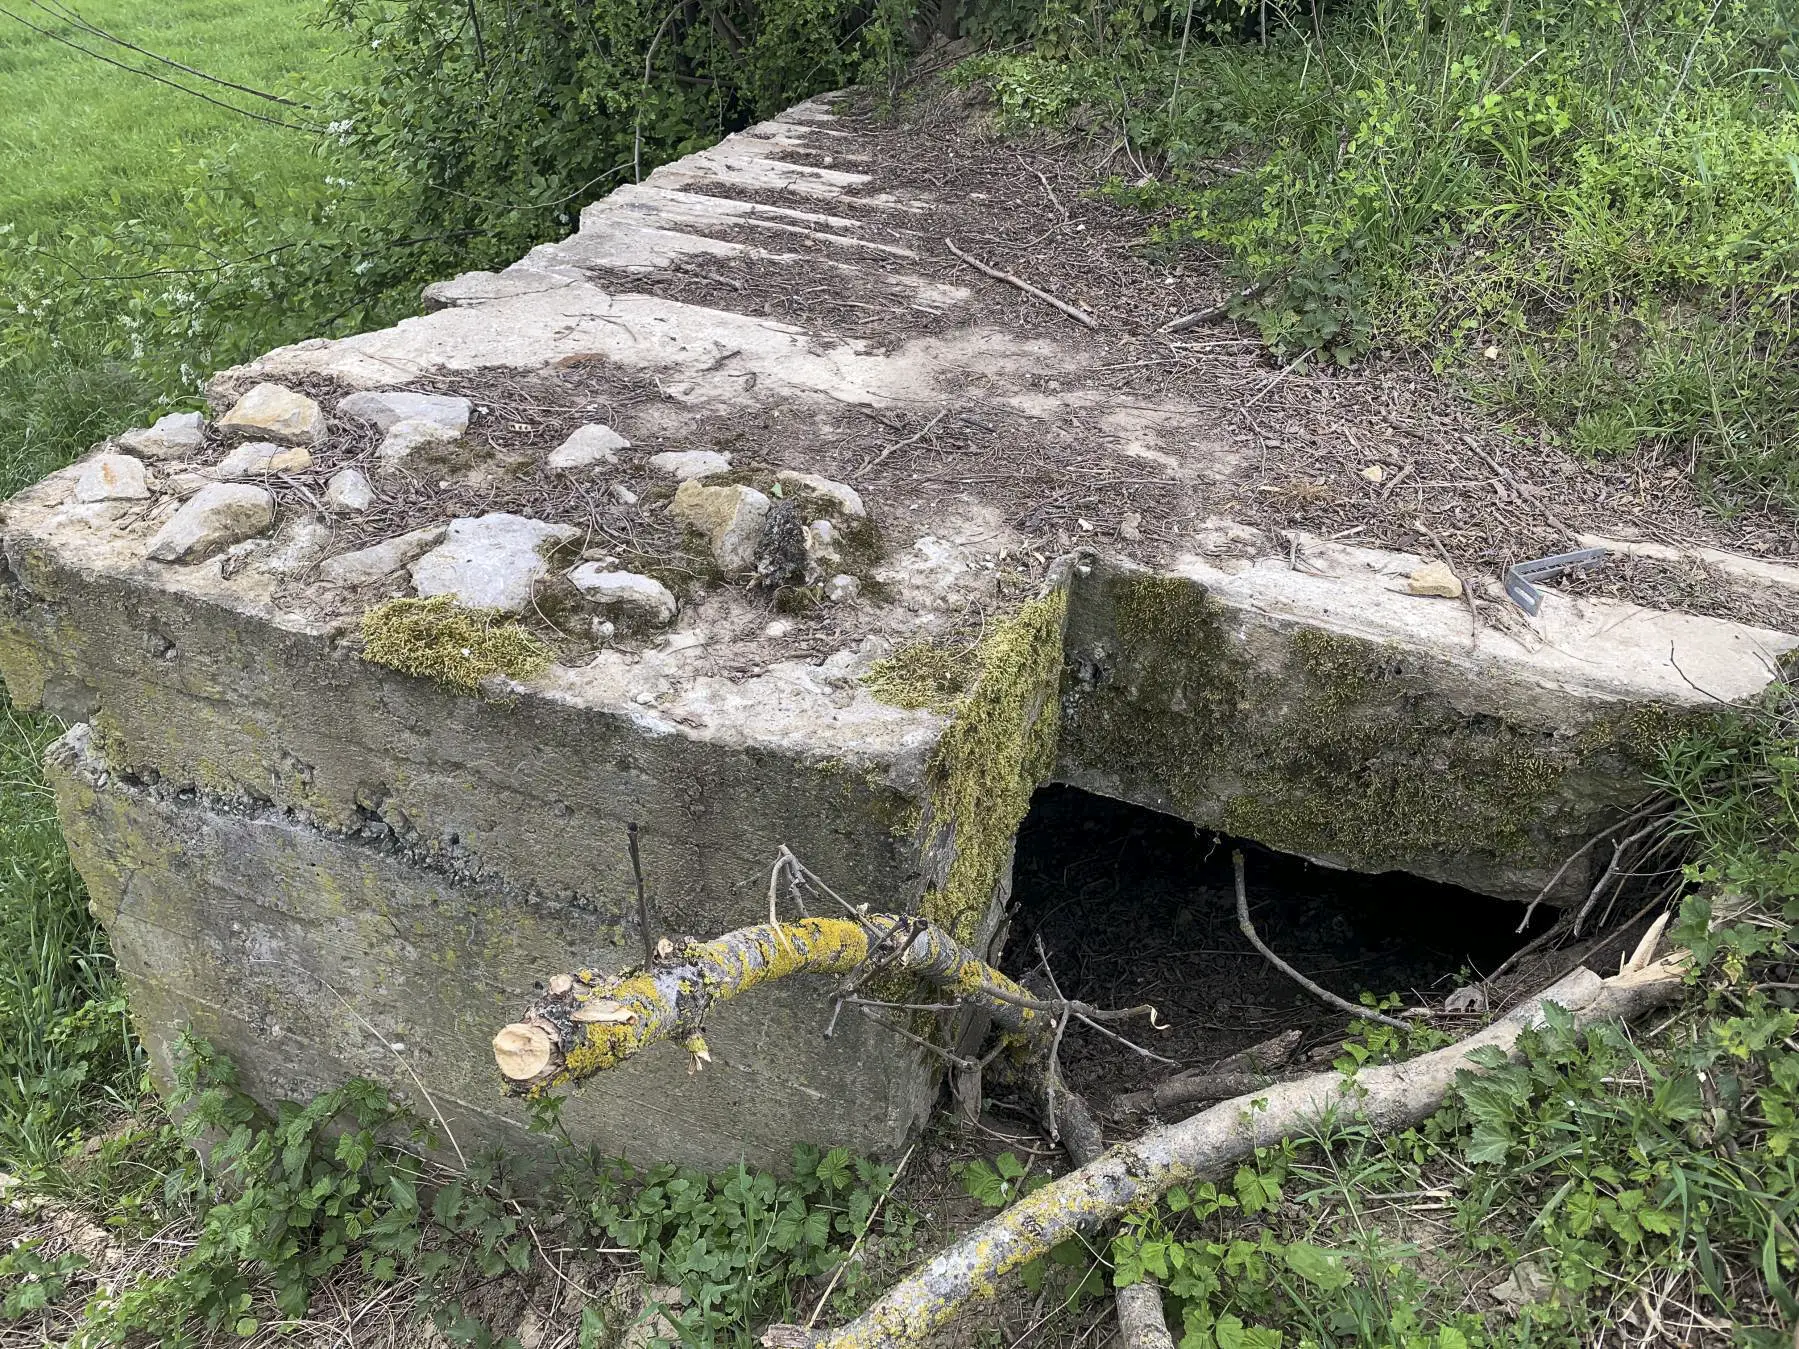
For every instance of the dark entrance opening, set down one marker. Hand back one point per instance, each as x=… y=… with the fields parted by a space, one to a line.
x=1133 y=906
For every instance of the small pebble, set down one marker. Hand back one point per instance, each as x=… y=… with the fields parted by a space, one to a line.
x=778 y=628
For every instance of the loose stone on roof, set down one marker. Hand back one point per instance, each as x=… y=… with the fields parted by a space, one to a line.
x=259 y=458
x=731 y=518
x=846 y=498
x=406 y=438
x=175 y=436
x=349 y=490
x=685 y=465
x=274 y=412
x=588 y=446
x=386 y=409
x=112 y=477
x=217 y=516
x=490 y=561
x=367 y=565
x=636 y=596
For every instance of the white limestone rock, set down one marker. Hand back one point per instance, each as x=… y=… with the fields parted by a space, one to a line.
x=112 y=477
x=387 y=409
x=631 y=594
x=349 y=490
x=490 y=561
x=368 y=565
x=217 y=516
x=686 y=465
x=183 y=484
x=731 y=518
x=590 y=445
x=274 y=412
x=259 y=458
x=843 y=589
x=175 y=436
x=846 y=498
x=405 y=439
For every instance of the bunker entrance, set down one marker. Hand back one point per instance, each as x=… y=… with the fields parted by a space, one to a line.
x=1133 y=906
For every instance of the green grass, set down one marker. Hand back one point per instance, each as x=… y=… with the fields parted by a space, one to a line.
x=84 y=146
x=66 y=1055
x=83 y=138
x=1586 y=211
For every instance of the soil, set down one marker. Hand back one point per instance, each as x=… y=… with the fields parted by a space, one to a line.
x=1134 y=907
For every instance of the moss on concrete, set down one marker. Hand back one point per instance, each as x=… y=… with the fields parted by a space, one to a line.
x=924 y=676
x=439 y=639
x=998 y=749
x=1320 y=744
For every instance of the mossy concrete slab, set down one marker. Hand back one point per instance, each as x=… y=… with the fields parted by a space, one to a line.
x=1324 y=711
x=311 y=957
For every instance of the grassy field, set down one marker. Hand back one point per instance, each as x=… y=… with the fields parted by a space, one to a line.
x=83 y=144
x=85 y=138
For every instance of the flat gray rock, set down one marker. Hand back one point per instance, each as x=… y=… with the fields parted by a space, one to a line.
x=275 y=412
x=685 y=465
x=490 y=561
x=217 y=516
x=588 y=446
x=634 y=595
x=385 y=409
x=112 y=477
x=405 y=439
x=259 y=458
x=349 y=490
x=846 y=498
x=367 y=565
x=176 y=436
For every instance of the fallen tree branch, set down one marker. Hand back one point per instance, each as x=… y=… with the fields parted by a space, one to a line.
x=1080 y=316
x=1323 y=994
x=1193 y=1088
x=586 y=1023
x=1209 y=1146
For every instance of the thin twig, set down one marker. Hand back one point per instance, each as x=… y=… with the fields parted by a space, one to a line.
x=1080 y=316
x=912 y=439
x=1222 y=308
x=643 y=903
x=1248 y=929
x=1530 y=912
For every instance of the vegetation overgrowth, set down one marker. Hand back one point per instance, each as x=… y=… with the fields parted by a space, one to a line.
x=1585 y=209
x=1582 y=211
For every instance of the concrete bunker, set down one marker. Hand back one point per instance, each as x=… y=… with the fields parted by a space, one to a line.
x=747 y=584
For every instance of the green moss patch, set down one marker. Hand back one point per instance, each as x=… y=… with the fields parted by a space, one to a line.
x=999 y=747
x=439 y=639
x=1324 y=745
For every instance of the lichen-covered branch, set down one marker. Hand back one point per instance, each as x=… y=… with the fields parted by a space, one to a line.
x=1211 y=1144
x=586 y=1023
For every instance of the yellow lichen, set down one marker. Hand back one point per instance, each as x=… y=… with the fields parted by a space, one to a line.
x=439 y=639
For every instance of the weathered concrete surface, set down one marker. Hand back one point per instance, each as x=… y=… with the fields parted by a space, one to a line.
x=308 y=956
x=885 y=712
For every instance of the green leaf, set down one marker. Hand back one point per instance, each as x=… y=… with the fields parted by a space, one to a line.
x=1317 y=1266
